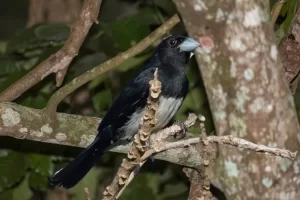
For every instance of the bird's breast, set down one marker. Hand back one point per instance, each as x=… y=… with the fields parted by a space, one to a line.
x=168 y=106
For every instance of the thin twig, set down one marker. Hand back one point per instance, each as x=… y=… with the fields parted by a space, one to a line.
x=58 y=62
x=229 y=140
x=207 y=154
x=87 y=194
x=139 y=145
x=110 y=64
x=244 y=144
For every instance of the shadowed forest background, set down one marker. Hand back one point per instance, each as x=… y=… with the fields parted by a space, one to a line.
x=33 y=30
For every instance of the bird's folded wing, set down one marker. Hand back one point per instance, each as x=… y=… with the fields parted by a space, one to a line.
x=131 y=99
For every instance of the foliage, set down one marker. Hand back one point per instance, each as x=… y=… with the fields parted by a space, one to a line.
x=285 y=18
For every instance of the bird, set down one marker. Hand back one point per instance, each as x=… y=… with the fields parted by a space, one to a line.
x=121 y=122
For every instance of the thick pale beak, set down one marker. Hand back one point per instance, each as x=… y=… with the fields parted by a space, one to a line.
x=188 y=45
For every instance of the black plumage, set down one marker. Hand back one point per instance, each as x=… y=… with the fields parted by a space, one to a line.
x=121 y=122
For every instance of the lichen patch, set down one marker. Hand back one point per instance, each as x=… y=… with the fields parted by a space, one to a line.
x=252 y=18
x=248 y=74
x=36 y=133
x=85 y=140
x=61 y=137
x=46 y=129
x=23 y=130
x=10 y=117
x=231 y=169
x=267 y=182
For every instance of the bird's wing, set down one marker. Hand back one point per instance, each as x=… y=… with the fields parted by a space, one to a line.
x=131 y=99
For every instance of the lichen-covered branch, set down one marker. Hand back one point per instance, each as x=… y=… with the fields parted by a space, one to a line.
x=74 y=130
x=248 y=95
x=110 y=64
x=57 y=63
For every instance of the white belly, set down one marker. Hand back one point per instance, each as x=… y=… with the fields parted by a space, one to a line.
x=166 y=110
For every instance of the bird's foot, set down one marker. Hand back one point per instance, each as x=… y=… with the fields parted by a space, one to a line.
x=182 y=133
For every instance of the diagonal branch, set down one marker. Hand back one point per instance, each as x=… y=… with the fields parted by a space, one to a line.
x=139 y=145
x=57 y=63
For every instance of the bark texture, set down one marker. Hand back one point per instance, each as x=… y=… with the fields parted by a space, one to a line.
x=290 y=53
x=73 y=130
x=248 y=95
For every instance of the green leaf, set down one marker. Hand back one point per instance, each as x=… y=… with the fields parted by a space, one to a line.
x=37 y=37
x=5 y=152
x=96 y=82
x=37 y=102
x=7 y=194
x=52 y=32
x=38 y=182
x=13 y=64
x=126 y=32
x=12 y=168
x=168 y=7
x=146 y=183
x=172 y=191
x=3 y=46
x=22 y=191
x=102 y=100
x=39 y=163
x=84 y=64
x=279 y=34
x=90 y=182
x=288 y=10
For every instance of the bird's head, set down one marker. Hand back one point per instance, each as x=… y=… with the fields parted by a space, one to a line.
x=176 y=49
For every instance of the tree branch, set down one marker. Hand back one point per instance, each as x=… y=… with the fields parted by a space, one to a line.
x=57 y=63
x=74 y=130
x=110 y=64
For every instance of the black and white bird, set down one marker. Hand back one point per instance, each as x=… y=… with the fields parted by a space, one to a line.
x=121 y=122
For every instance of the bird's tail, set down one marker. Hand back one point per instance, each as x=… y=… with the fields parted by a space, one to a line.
x=75 y=170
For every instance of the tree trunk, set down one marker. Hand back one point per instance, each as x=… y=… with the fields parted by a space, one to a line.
x=248 y=96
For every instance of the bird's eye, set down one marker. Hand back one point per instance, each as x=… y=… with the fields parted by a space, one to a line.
x=173 y=42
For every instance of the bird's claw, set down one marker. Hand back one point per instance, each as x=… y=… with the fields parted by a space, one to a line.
x=182 y=133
